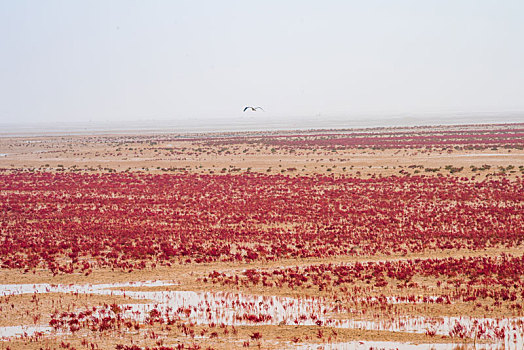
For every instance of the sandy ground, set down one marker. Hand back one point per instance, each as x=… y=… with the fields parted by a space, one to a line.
x=276 y=337
x=107 y=153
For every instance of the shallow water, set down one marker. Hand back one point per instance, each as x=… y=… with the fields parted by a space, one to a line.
x=243 y=309
x=487 y=155
x=16 y=331
x=104 y=289
x=254 y=122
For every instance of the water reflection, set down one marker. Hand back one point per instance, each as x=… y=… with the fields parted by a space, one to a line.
x=242 y=309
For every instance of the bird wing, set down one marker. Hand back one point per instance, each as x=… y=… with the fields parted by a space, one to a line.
x=247 y=108
x=260 y=108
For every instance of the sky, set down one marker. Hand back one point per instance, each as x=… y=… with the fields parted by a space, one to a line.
x=118 y=61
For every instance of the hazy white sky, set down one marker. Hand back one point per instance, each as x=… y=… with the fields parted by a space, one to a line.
x=131 y=60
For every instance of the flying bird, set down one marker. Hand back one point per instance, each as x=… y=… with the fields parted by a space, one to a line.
x=254 y=109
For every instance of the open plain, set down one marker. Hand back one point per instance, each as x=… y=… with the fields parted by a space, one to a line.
x=331 y=239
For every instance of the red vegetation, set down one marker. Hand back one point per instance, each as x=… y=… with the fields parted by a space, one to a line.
x=386 y=139
x=75 y=222
x=178 y=347
x=499 y=279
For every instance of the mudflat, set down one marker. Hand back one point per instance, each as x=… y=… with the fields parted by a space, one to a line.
x=264 y=239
